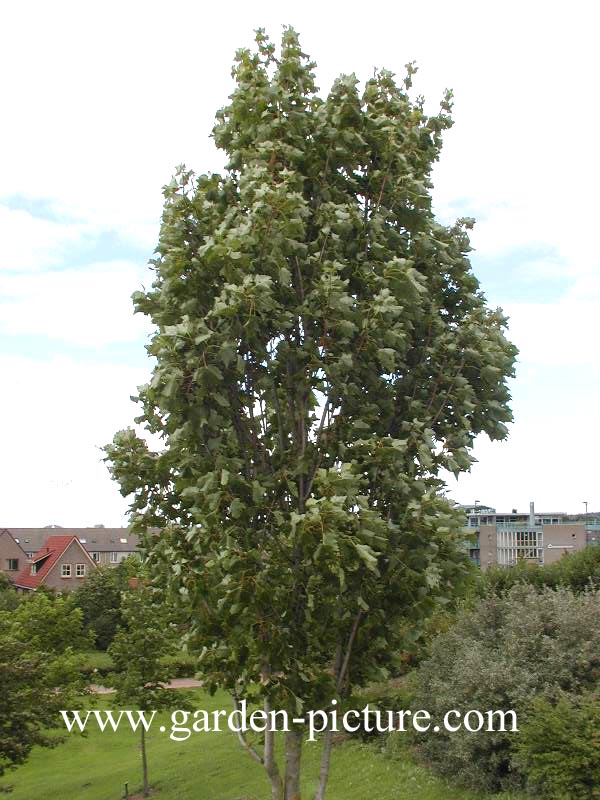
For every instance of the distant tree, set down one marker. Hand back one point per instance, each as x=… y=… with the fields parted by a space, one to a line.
x=322 y=352
x=49 y=624
x=138 y=651
x=9 y=599
x=35 y=686
x=99 y=598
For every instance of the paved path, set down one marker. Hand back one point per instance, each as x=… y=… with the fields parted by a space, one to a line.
x=176 y=683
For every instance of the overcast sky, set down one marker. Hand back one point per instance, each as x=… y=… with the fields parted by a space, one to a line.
x=102 y=100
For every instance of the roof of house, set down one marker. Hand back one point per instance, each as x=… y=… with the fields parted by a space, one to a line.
x=51 y=552
x=93 y=539
x=6 y=532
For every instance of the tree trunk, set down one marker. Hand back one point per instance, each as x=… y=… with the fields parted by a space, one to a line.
x=269 y=759
x=293 y=753
x=325 y=761
x=145 y=790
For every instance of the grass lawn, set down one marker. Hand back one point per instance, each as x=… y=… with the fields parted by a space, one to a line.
x=209 y=766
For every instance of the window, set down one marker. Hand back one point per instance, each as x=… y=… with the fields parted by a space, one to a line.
x=114 y=558
x=83 y=541
x=65 y=570
x=12 y=564
x=80 y=570
x=123 y=541
x=34 y=569
x=95 y=556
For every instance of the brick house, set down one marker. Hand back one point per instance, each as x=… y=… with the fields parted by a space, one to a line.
x=106 y=546
x=61 y=564
x=12 y=556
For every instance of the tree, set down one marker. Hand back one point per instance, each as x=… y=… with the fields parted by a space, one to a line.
x=99 y=598
x=322 y=352
x=35 y=686
x=138 y=650
x=50 y=624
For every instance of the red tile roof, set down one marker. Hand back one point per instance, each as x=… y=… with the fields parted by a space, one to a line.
x=53 y=549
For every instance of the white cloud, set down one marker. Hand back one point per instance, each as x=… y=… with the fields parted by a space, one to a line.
x=55 y=417
x=86 y=306
x=32 y=243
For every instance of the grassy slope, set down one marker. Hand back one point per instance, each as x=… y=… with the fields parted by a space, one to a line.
x=208 y=766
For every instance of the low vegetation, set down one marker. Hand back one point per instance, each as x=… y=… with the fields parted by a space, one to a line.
x=506 y=653
x=577 y=571
x=98 y=766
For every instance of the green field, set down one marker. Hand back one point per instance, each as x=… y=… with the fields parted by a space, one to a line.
x=210 y=766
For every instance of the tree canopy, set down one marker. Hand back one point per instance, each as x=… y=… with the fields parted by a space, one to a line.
x=39 y=675
x=323 y=351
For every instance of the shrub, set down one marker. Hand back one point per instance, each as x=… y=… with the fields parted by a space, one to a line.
x=559 y=747
x=394 y=695
x=501 y=655
x=576 y=571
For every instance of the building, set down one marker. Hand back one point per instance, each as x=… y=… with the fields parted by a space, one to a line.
x=539 y=538
x=61 y=564
x=105 y=546
x=12 y=556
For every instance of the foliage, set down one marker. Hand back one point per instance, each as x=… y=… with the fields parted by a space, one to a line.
x=138 y=651
x=499 y=656
x=49 y=624
x=35 y=685
x=391 y=695
x=322 y=352
x=99 y=598
x=559 y=747
x=139 y=648
x=9 y=599
x=577 y=571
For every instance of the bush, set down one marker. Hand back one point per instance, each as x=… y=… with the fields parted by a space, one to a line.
x=500 y=656
x=576 y=571
x=559 y=747
x=395 y=695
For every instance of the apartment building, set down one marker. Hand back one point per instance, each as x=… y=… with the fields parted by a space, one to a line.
x=505 y=538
